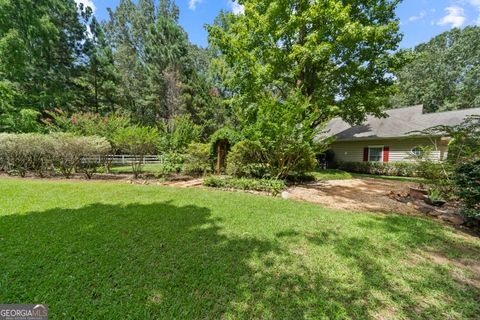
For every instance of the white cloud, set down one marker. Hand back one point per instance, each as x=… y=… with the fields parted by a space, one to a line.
x=475 y=3
x=192 y=4
x=87 y=3
x=455 y=17
x=420 y=16
x=236 y=7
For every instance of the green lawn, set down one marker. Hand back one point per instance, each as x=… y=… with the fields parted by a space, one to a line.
x=148 y=168
x=98 y=250
x=394 y=178
x=330 y=174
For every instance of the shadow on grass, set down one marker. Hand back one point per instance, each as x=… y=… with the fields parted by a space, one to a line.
x=163 y=261
x=425 y=272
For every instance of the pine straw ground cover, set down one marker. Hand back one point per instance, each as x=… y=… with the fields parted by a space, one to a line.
x=101 y=250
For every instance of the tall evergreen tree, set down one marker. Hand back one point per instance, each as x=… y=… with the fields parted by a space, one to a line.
x=100 y=75
x=149 y=47
x=41 y=45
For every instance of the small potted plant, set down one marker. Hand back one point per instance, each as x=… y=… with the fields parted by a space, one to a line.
x=434 y=198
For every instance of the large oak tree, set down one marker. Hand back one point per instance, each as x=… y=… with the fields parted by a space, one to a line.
x=444 y=73
x=334 y=55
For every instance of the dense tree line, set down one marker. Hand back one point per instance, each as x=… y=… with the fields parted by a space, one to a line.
x=55 y=54
x=275 y=73
x=442 y=74
x=288 y=62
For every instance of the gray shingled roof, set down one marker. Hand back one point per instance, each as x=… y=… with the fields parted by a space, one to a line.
x=399 y=123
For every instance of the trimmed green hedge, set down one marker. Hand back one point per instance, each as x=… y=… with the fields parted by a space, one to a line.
x=400 y=169
x=41 y=154
x=273 y=186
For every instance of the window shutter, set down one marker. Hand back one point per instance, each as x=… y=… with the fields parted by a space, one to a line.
x=365 y=154
x=386 y=154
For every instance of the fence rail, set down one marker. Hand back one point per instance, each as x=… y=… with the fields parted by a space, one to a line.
x=126 y=159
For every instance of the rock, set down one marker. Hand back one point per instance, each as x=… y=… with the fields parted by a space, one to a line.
x=455 y=220
x=434 y=213
x=416 y=193
x=286 y=195
x=442 y=212
x=425 y=210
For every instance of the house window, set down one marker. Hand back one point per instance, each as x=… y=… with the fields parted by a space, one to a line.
x=375 y=154
x=416 y=151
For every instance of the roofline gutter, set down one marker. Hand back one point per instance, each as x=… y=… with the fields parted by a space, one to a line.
x=389 y=138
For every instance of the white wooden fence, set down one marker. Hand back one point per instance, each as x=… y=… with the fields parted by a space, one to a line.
x=119 y=160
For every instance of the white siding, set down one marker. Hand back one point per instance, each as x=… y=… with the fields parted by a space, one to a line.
x=399 y=148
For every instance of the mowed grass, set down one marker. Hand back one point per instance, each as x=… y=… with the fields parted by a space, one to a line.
x=147 y=168
x=393 y=178
x=102 y=250
x=330 y=174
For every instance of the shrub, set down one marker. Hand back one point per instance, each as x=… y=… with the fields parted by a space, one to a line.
x=23 y=121
x=179 y=133
x=283 y=127
x=246 y=160
x=78 y=153
x=294 y=160
x=320 y=175
x=198 y=160
x=3 y=152
x=67 y=152
x=229 y=134
x=252 y=159
x=20 y=153
x=436 y=174
x=173 y=162
x=138 y=142
x=93 y=151
x=465 y=143
x=14 y=157
x=7 y=147
x=467 y=180
x=401 y=169
x=274 y=186
x=39 y=153
x=89 y=124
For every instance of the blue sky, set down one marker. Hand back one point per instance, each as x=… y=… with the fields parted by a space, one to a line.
x=420 y=19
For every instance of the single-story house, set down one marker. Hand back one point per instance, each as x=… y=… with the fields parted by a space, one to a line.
x=394 y=138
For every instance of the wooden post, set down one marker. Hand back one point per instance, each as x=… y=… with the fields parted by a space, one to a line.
x=219 y=155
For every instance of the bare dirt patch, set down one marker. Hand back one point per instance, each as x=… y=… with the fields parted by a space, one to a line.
x=184 y=184
x=473 y=265
x=359 y=195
